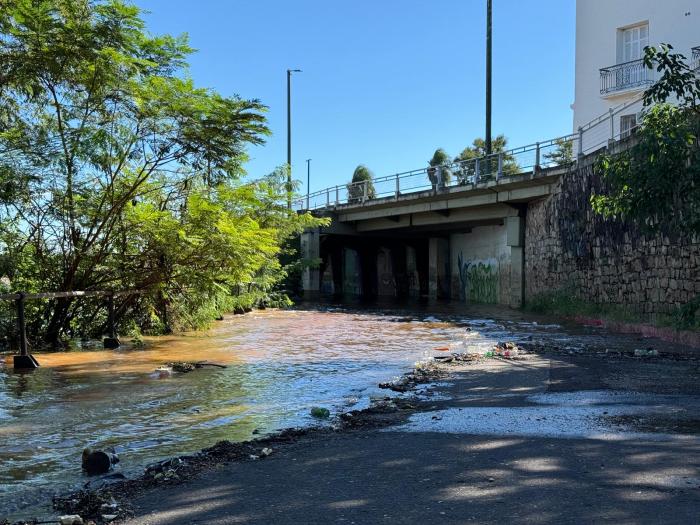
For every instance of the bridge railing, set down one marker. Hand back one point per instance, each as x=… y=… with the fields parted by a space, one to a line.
x=563 y=150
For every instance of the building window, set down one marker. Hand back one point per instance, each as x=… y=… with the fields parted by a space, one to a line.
x=633 y=41
x=628 y=125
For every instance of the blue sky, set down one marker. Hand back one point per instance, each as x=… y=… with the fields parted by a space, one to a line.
x=384 y=82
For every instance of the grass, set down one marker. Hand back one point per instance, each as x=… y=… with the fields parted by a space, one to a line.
x=565 y=303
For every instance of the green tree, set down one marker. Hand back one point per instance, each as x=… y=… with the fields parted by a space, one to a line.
x=488 y=167
x=562 y=154
x=440 y=160
x=116 y=171
x=655 y=183
x=361 y=185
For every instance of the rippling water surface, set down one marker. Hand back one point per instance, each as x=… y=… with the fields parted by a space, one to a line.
x=279 y=365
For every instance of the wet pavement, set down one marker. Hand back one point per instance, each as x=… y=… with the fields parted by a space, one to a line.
x=282 y=363
x=499 y=441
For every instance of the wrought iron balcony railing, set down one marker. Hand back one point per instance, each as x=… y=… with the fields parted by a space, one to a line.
x=625 y=76
x=696 y=58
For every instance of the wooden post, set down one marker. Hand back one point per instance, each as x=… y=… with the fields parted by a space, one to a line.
x=111 y=341
x=23 y=361
x=21 y=325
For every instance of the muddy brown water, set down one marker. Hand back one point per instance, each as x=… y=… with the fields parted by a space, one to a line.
x=279 y=365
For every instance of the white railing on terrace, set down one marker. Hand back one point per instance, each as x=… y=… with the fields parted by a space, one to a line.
x=563 y=150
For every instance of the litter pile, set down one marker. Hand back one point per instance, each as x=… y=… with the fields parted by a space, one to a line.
x=507 y=350
x=98 y=506
x=424 y=372
x=503 y=350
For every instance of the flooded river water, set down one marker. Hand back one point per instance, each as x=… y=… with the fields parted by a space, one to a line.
x=279 y=365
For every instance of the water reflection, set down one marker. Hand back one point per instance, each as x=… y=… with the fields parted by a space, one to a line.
x=279 y=364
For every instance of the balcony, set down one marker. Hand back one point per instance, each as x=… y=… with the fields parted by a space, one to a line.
x=625 y=77
x=696 y=58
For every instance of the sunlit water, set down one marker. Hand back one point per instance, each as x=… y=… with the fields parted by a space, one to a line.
x=279 y=365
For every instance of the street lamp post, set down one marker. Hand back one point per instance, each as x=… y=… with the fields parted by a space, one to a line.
x=488 y=78
x=289 y=135
x=308 y=181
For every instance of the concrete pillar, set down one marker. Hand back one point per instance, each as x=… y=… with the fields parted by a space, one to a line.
x=438 y=268
x=386 y=285
x=515 y=231
x=352 y=272
x=311 y=253
x=412 y=272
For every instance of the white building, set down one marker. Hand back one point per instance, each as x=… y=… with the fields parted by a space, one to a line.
x=610 y=40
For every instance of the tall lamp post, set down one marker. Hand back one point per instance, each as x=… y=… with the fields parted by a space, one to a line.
x=289 y=135
x=488 y=78
x=308 y=181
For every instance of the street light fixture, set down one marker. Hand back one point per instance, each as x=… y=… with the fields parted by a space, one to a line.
x=487 y=138
x=308 y=181
x=289 y=135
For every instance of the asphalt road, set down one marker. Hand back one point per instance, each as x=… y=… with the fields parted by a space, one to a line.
x=560 y=440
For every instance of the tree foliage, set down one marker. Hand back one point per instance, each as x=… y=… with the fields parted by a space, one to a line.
x=487 y=167
x=562 y=154
x=655 y=183
x=361 y=182
x=117 y=172
x=440 y=160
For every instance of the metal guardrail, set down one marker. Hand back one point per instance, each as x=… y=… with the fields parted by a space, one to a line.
x=593 y=136
x=496 y=167
x=628 y=75
x=24 y=360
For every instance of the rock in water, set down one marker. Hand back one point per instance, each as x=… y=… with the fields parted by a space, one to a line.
x=320 y=413
x=70 y=519
x=98 y=462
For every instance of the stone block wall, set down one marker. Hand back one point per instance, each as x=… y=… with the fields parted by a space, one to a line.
x=568 y=247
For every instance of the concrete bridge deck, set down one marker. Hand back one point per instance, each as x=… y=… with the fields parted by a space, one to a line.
x=461 y=242
x=485 y=201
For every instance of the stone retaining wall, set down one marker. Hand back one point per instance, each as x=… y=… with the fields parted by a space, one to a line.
x=568 y=247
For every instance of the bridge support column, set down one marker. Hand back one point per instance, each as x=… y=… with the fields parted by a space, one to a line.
x=438 y=268
x=516 y=240
x=310 y=252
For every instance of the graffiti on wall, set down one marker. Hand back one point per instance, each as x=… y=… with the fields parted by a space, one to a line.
x=479 y=280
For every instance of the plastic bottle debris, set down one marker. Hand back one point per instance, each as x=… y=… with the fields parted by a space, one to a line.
x=266 y=452
x=507 y=350
x=320 y=413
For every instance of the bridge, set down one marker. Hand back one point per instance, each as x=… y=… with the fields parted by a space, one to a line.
x=455 y=231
